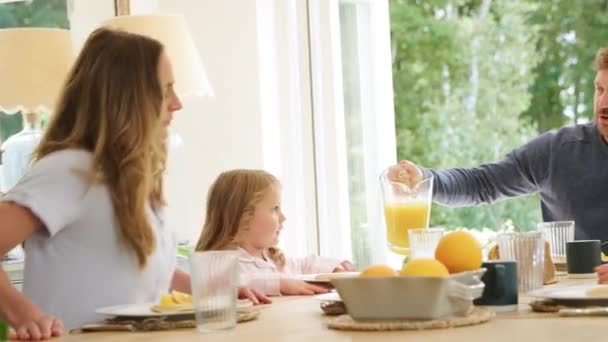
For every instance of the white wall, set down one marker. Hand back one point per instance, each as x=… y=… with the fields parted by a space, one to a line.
x=87 y=15
x=221 y=132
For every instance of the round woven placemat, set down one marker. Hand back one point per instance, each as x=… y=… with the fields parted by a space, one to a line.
x=545 y=305
x=155 y=323
x=476 y=316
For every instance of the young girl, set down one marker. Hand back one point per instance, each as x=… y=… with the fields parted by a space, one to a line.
x=244 y=214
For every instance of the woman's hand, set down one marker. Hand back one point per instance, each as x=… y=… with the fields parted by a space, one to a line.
x=294 y=287
x=27 y=321
x=36 y=329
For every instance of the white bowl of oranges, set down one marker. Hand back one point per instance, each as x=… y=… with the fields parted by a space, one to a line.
x=425 y=288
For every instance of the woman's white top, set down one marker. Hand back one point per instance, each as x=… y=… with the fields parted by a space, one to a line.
x=78 y=261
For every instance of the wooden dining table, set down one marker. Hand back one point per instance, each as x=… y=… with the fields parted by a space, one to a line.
x=301 y=319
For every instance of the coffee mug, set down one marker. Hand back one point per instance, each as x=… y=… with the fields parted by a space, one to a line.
x=582 y=256
x=500 y=279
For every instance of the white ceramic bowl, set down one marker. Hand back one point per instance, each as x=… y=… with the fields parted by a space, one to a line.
x=410 y=297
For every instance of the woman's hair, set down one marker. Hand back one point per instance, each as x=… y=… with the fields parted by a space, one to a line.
x=231 y=203
x=110 y=105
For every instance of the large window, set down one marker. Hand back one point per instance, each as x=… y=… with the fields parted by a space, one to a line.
x=354 y=124
x=34 y=13
x=370 y=137
x=475 y=79
x=471 y=80
x=461 y=76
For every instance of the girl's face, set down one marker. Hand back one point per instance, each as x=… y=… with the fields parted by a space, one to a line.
x=267 y=220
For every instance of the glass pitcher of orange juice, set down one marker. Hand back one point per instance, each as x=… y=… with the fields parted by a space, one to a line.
x=405 y=208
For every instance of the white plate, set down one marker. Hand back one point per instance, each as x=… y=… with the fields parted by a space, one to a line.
x=570 y=293
x=331 y=297
x=325 y=277
x=143 y=310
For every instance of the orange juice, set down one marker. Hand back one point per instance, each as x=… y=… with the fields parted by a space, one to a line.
x=402 y=217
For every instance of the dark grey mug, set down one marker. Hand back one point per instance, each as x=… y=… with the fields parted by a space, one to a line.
x=582 y=257
x=500 y=291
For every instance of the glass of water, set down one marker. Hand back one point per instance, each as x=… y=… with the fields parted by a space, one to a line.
x=558 y=233
x=423 y=242
x=528 y=249
x=214 y=289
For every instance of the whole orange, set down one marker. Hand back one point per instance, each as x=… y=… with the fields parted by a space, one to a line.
x=459 y=251
x=378 y=271
x=424 y=267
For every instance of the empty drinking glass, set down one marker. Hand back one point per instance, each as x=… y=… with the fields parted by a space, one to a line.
x=423 y=242
x=558 y=233
x=214 y=289
x=528 y=250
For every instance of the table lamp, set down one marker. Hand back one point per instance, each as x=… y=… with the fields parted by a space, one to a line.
x=172 y=31
x=33 y=65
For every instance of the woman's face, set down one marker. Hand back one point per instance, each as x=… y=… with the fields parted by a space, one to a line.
x=171 y=102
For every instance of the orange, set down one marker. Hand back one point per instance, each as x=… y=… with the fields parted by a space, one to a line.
x=378 y=270
x=459 y=251
x=424 y=267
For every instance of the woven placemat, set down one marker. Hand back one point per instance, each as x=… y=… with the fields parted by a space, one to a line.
x=477 y=315
x=155 y=323
x=545 y=305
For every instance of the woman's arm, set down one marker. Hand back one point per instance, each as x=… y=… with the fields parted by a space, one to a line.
x=16 y=225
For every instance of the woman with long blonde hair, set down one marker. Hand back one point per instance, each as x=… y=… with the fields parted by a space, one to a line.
x=244 y=214
x=89 y=211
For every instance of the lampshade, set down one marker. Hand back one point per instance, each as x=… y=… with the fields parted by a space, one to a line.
x=33 y=65
x=173 y=33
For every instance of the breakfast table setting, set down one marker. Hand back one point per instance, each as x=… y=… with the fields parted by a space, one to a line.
x=534 y=285
x=302 y=319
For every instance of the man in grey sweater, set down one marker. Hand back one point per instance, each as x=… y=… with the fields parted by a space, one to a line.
x=567 y=167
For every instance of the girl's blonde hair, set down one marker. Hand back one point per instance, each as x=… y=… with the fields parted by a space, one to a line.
x=231 y=204
x=110 y=105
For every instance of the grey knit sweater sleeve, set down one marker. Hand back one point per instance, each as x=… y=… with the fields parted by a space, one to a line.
x=521 y=172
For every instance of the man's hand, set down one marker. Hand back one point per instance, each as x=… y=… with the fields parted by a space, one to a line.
x=406 y=173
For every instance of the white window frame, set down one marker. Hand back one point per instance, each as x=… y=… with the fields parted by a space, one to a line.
x=378 y=120
x=329 y=130
x=287 y=127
